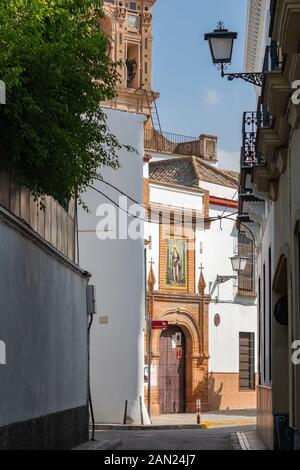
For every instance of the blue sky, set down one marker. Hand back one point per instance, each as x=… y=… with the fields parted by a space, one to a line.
x=194 y=97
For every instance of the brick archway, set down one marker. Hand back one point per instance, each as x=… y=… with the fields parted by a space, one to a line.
x=192 y=319
x=186 y=321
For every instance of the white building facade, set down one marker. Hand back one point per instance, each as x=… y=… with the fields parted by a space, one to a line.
x=110 y=251
x=111 y=240
x=215 y=314
x=269 y=205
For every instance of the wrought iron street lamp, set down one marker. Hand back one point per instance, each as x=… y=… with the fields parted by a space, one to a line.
x=221 y=42
x=239 y=263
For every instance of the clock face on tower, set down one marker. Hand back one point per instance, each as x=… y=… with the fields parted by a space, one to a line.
x=133 y=21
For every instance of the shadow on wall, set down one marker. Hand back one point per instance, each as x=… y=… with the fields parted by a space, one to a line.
x=214 y=396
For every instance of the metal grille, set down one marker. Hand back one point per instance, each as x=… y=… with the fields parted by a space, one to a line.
x=247 y=361
x=171 y=143
x=274 y=59
x=246 y=278
x=252 y=121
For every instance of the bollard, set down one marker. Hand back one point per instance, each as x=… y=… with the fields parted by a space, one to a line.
x=198 y=410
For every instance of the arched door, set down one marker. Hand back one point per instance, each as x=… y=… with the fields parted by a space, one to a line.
x=172 y=371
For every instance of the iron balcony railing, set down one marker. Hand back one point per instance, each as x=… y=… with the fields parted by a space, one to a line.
x=171 y=143
x=252 y=121
x=274 y=59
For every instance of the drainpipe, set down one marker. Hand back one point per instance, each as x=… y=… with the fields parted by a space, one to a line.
x=290 y=295
x=91 y=311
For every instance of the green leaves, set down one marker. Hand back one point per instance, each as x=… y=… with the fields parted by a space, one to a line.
x=53 y=134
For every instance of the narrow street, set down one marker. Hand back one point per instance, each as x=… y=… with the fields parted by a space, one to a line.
x=177 y=439
x=150 y=227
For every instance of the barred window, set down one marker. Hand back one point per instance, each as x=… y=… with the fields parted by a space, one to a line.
x=246 y=281
x=247 y=361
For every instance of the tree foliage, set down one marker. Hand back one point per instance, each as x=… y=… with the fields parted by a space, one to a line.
x=53 y=133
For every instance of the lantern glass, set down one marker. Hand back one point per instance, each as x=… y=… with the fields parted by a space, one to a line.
x=221 y=49
x=221 y=45
x=239 y=263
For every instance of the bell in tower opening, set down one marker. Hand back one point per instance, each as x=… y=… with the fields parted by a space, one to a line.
x=129 y=27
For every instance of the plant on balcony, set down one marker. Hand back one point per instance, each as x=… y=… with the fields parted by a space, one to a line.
x=53 y=134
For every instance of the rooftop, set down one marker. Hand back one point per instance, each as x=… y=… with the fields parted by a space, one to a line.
x=188 y=171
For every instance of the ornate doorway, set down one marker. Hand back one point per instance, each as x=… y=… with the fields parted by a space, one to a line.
x=172 y=371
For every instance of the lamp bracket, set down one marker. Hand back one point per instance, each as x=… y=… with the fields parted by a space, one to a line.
x=255 y=78
x=223 y=279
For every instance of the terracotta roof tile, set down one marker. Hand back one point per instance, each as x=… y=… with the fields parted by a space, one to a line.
x=189 y=171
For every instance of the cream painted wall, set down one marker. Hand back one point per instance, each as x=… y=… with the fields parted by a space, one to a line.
x=117 y=266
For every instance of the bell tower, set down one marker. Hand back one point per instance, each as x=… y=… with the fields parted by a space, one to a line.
x=129 y=25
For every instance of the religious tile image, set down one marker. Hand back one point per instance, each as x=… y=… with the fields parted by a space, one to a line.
x=176 y=263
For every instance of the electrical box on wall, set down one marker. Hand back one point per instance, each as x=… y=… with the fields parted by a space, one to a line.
x=91 y=300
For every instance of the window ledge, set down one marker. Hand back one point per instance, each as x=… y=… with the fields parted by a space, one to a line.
x=246 y=293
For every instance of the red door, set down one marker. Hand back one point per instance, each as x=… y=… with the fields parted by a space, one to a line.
x=172 y=371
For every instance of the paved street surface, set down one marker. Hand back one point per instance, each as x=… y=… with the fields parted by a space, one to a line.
x=174 y=439
x=212 y=419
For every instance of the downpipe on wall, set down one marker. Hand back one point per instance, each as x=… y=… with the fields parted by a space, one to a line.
x=91 y=311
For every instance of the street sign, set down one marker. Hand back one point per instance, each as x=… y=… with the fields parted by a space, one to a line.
x=178 y=339
x=159 y=325
x=179 y=354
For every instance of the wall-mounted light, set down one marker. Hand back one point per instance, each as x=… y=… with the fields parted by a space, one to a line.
x=221 y=42
x=239 y=264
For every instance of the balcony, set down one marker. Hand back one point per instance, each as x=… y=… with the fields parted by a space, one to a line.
x=276 y=89
x=166 y=142
x=252 y=121
x=274 y=60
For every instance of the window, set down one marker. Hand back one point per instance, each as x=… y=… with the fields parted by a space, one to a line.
x=247 y=361
x=260 y=331
x=270 y=313
x=132 y=6
x=264 y=321
x=246 y=278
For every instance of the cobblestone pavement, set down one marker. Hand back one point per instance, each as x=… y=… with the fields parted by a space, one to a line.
x=249 y=440
x=173 y=439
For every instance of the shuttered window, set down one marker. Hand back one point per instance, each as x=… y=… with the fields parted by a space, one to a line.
x=246 y=278
x=247 y=361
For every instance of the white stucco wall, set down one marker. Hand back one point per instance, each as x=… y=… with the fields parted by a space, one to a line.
x=238 y=314
x=257 y=34
x=177 y=198
x=117 y=348
x=266 y=243
x=43 y=323
x=214 y=247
